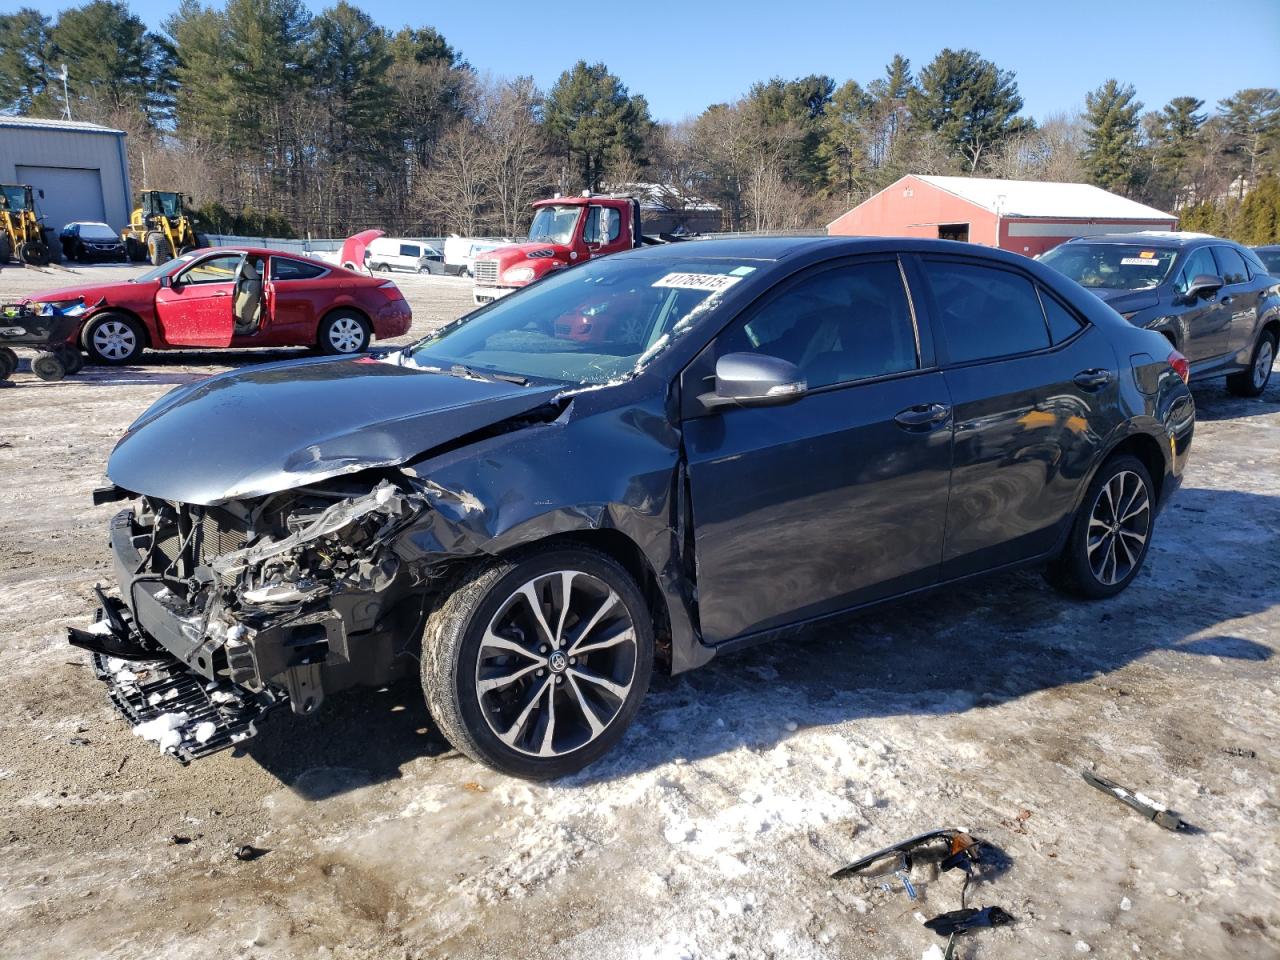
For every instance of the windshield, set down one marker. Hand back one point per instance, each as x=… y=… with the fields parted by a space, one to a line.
x=1112 y=266
x=554 y=224
x=15 y=197
x=155 y=273
x=587 y=324
x=96 y=231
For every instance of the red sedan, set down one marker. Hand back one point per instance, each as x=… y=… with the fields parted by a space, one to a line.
x=236 y=297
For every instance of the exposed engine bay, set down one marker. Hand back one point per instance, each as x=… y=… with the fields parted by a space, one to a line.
x=256 y=603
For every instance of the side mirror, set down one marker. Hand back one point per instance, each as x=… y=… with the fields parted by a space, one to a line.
x=166 y=281
x=754 y=380
x=41 y=194
x=1204 y=285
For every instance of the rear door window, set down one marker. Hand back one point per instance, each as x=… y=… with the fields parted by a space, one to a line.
x=1231 y=266
x=985 y=312
x=849 y=323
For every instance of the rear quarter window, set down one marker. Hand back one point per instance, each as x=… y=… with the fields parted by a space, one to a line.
x=985 y=312
x=282 y=269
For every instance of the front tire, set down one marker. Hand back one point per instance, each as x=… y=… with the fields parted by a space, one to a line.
x=157 y=249
x=113 y=339
x=1111 y=533
x=536 y=666
x=1251 y=382
x=342 y=333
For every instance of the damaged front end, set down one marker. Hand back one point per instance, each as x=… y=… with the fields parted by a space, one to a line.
x=229 y=610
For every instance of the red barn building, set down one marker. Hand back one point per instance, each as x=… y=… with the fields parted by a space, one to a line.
x=1024 y=216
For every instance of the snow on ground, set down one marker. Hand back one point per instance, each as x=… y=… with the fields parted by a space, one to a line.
x=712 y=830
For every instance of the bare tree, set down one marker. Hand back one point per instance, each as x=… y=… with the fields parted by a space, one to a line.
x=517 y=152
x=459 y=185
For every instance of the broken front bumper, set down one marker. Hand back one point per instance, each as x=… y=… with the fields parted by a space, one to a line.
x=163 y=700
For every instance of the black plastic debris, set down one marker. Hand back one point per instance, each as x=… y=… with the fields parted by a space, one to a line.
x=217 y=719
x=966 y=919
x=960 y=849
x=248 y=853
x=179 y=841
x=1149 y=808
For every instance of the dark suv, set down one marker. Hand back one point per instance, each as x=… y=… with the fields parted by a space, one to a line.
x=1215 y=300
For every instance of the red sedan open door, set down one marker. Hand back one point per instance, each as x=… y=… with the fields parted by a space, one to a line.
x=197 y=308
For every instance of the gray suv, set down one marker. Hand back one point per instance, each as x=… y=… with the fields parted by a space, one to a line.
x=1215 y=300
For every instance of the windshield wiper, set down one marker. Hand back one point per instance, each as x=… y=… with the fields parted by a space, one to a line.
x=459 y=370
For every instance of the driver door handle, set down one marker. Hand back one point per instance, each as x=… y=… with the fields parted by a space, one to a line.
x=1093 y=379
x=926 y=415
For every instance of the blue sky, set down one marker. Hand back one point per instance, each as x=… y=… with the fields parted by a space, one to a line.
x=684 y=56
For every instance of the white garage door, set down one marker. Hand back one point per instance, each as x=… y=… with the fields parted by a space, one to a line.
x=69 y=194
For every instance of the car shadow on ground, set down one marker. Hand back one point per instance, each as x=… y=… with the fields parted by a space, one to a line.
x=1215 y=403
x=957 y=650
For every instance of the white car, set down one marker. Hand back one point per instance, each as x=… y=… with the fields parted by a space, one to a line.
x=388 y=253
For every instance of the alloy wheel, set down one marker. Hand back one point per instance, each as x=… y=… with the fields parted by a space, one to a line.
x=556 y=664
x=1262 y=362
x=114 y=340
x=1118 y=527
x=346 y=335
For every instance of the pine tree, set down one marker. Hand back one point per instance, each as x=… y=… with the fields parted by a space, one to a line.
x=1253 y=117
x=969 y=102
x=590 y=115
x=1112 y=151
x=24 y=69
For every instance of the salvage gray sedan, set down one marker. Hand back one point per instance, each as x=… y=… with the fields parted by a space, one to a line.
x=644 y=459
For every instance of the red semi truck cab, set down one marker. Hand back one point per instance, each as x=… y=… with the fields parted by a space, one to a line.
x=565 y=231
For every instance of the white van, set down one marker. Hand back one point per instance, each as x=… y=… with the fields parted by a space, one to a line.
x=388 y=253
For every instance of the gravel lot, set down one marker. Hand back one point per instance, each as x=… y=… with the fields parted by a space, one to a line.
x=711 y=831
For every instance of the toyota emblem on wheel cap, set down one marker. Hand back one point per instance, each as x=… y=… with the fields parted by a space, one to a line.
x=558 y=662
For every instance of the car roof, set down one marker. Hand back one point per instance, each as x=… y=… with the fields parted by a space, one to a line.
x=1268 y=247
x=772 y=248
x=1153 y=238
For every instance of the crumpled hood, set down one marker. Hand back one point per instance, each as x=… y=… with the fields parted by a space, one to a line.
x=1126 y=301
x=276 y=426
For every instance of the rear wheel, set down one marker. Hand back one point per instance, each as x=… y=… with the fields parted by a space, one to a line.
x=1112 y=531
x=113 y=339
x=8 y=363
x=6 y=248
x=72 y=359
x=343 y=332
x=134 y=251
x=1251 y=382
x=536 y=666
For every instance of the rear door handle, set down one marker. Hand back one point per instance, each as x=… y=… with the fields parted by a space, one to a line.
x=1094 y=379
x=1227 y=299
x=926 y=415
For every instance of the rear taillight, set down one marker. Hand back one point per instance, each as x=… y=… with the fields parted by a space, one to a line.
x=391 y=291
x=1180 y=366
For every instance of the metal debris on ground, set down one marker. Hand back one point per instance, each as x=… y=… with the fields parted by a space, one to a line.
x=961 y=848
x=1149 y=808
x=246 y=852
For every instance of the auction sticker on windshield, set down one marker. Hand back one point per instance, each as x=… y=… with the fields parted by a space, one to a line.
x=710 y=282
x=1142 y=261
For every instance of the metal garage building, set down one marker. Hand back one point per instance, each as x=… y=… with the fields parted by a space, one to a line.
x=81 y=167
x=1024 y=216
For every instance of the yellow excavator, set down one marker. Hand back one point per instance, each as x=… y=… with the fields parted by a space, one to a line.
x=160 y=228
x=22 y=235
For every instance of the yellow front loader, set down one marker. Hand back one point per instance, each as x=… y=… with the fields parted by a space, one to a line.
x=160 y=228
x=22 y=235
